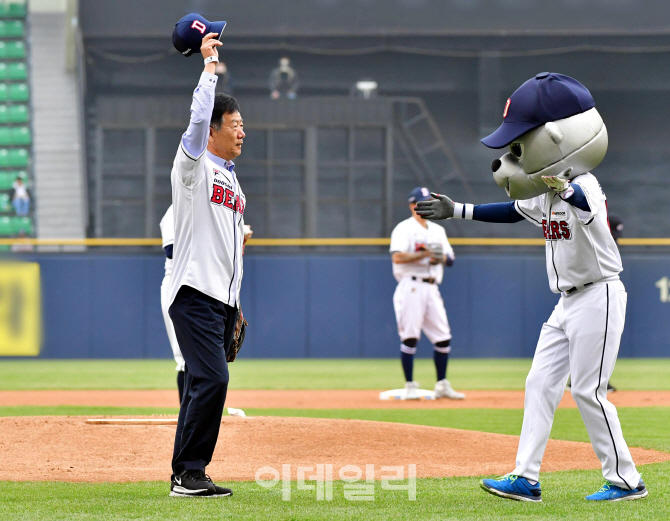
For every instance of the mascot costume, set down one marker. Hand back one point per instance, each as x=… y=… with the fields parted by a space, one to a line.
x=555 y=137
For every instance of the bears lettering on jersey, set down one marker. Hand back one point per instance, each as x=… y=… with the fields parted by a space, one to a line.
x=226 y=197
x=556 y=230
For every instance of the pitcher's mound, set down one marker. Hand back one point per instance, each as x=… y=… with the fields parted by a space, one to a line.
x=57 y=448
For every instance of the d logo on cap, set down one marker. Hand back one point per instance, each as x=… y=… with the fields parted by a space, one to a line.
x=189 y=31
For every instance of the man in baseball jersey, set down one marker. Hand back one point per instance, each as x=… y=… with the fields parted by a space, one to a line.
x=167 y=235
x=419 y=251
x=581 y=337
x=208 y=206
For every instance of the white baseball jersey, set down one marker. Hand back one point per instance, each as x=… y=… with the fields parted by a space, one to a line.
x=579 y=245
x=418 y=305
x=208 y=214
x=167 y=234
x=581 y=337
x=409 y=236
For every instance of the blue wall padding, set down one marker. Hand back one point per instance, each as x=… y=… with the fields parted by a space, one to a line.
x=326 y=306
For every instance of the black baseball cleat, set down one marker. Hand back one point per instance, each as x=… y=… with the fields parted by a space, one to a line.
x=195 y=483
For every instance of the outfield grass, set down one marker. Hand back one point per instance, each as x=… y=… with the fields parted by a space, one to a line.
x=633 y=374
x=455 y=498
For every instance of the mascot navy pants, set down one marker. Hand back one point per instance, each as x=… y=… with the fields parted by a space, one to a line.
x=204 y=326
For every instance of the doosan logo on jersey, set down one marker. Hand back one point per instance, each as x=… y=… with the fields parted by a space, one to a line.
x=556 y=230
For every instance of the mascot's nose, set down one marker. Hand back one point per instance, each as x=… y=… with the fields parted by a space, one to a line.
x=497 y=163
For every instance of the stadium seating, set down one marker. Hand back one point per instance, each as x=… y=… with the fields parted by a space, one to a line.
x=15 y=127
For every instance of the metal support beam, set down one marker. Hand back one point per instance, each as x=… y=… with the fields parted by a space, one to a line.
x=149 y=173
x=388 y=182
x=311 y=180
x=490 y=102
x=99 y=161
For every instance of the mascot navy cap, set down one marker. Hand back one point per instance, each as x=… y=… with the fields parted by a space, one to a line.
x=546 y=97
x=190 y=30
x=420 y=193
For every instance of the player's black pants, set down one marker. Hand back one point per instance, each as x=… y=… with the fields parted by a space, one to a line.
x=203 y=326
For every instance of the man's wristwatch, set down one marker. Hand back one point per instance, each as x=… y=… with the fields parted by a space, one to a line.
x=211 y=59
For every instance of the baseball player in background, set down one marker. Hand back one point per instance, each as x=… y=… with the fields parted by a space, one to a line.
x=167 y=235
x=581 y=337
x=208 y=206
x=419 y=251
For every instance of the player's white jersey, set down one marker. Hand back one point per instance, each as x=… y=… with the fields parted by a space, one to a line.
x=409 y=236
x=167 y=234
x=208 y=216
x=580 y=248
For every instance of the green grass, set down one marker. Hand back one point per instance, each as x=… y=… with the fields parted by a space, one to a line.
x=638 y=374
x=455 y=498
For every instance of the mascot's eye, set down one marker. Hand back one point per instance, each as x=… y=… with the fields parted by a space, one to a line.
x=516 y=149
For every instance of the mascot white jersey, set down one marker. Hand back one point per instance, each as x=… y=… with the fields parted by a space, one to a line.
x=555 y=137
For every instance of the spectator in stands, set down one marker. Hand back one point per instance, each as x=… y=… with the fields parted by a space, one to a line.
x=224 y=85
x=284 y=80
x=21 y=198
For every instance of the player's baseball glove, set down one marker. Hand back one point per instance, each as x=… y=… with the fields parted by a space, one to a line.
x=238 y=336
x=436 y=252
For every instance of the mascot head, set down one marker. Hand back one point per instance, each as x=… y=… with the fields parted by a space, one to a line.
x=550 y=124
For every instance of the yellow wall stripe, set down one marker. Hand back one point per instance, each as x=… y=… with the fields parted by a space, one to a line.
x=456 y=241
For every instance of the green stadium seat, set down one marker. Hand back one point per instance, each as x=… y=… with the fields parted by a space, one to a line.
x=19 y=92
x=11 y=226
x=15 y=50
x=22 y=224
x=17 y=71
x=7 y=179
x=20 y=136
x=17 y=8
x=18 y=114
x=6 y=203
x=4 y=71
x=5 y=136
x=11 y=29
x=18 y=157
x=4 y=92
x=6 y=226
x=14 y=158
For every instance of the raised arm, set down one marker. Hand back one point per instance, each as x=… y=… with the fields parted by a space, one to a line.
x=194 y=140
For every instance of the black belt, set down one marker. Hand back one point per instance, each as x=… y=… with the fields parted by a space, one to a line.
x=575 y=288
x=431 y=280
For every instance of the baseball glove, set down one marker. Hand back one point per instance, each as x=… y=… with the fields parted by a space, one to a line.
x=436 y=252
x=238 y=336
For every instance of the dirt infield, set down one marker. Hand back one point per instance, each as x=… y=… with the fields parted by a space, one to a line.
x=61 y=448
x=323 y=399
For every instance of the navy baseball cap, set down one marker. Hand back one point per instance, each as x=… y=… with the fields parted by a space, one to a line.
x=420 y=193
x=546 y=97
x=190 y=30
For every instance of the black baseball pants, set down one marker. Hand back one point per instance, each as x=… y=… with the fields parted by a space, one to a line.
x=203 y=326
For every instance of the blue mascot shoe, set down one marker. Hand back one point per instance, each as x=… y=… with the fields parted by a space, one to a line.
x=609 y=492
x=513 y=487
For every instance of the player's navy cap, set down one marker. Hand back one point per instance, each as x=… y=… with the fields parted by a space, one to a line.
x=420 y=193
x=546 y=97
x=190 y=30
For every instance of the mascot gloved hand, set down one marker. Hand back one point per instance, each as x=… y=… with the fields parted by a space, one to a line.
x=560 y=183
x=441 y=207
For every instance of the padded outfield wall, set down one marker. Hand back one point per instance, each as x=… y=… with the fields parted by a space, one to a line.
x=331 y=306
